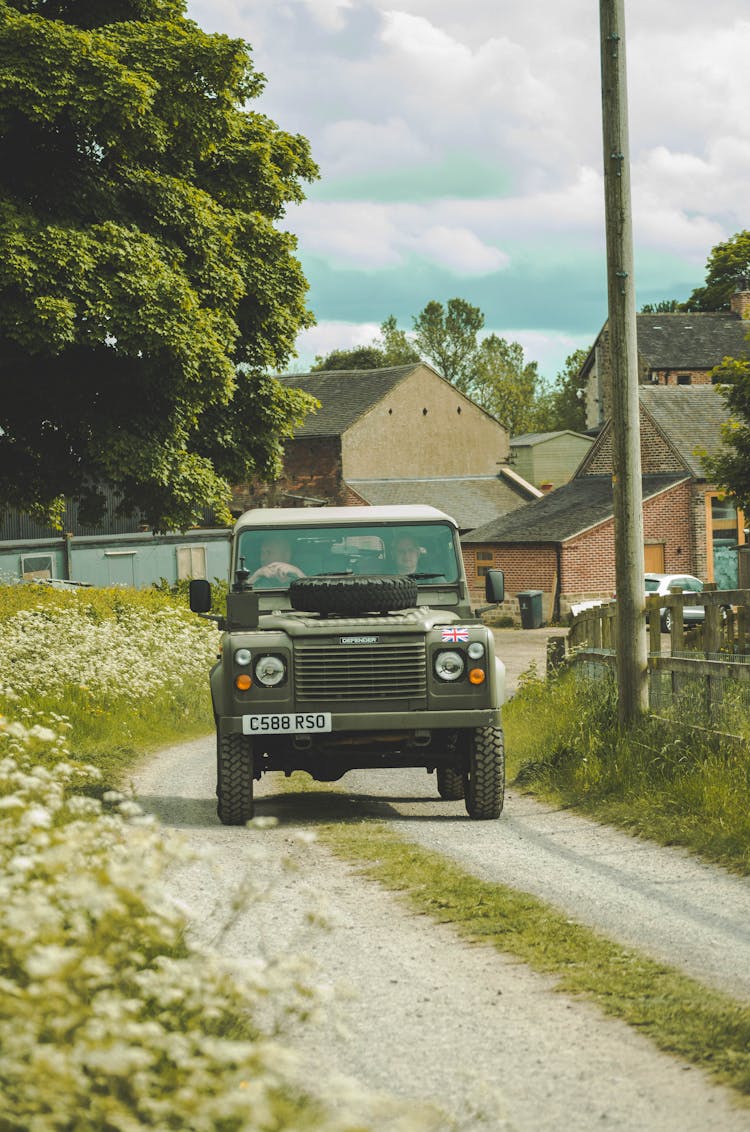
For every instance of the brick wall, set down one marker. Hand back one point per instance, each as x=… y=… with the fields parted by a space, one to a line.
x=312 y=473
x=656 y=455
x=526 y=567
x=588 y=561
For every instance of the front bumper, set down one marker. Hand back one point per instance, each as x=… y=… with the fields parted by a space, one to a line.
x=376 y=722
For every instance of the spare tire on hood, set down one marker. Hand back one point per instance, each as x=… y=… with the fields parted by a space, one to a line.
x=353 y=594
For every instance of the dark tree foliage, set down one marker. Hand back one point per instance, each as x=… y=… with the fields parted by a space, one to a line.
x=728 y=265
x=664 y=306
x=145 y=288
x=730 y=467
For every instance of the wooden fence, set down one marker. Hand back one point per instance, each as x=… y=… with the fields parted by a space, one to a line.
x=712 y=653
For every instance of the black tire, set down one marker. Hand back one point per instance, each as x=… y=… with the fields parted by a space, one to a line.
x=484 y=777
x=360 y=593
x=666 y=621
x=450 y=784
x=234 y=779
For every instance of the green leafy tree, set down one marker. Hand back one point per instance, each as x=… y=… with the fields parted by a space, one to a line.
x=358 y=357
x=145 y=288
x=390 y=348
x=447 y=337
x=567 y=408
x=396 y=347
x=727 y=264
x=505 y=384
x=664 y=306
x=730 y=466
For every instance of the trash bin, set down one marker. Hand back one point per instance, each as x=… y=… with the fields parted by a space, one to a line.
x=530 y=604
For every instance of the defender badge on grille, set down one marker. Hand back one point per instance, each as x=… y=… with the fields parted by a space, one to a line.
x=359 y=640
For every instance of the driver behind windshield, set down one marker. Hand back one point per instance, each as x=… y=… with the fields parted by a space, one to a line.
x=276 y=566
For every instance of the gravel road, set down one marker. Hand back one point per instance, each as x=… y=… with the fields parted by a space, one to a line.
x=424 y=1015
x=419 y=1013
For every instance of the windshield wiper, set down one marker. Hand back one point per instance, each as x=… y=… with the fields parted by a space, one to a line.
x=332 y=574
x=423 y=577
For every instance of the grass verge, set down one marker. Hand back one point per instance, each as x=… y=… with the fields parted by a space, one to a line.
x=673 y=784
x=705 y=1027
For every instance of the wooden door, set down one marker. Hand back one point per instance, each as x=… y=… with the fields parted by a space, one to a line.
x=653 y=557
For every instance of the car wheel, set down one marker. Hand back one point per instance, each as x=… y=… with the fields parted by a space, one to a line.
x=484 y=776
x=234 y=778
x=666 y=621
x=450 y=784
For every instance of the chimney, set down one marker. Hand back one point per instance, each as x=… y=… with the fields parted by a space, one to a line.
x=740 y=301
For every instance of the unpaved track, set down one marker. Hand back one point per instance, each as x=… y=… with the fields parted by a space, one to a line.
x=425 y=1015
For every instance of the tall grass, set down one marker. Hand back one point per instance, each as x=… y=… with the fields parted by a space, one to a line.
x=124 y=670
x=110 y=1018
x=675 y=784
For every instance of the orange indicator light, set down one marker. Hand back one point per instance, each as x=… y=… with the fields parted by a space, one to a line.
x=476 y=676
x=243 y=682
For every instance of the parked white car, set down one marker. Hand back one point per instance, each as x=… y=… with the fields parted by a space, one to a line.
x=670 y=583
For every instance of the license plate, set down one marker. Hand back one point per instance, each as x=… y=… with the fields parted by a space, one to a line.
x=289 y=723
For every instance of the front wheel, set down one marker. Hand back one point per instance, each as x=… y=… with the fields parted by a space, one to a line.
x=234 y=779
x=450 y=784
x=484 y=777
x=666 y=621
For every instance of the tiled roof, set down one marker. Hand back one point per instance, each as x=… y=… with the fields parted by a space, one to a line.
x=563 y=513
x=691 y=341
x=471 y=500
x=530 y=438
x=344 y=395
x=690 y=416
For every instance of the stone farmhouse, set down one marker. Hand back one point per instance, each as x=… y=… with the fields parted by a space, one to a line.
x=397 y=435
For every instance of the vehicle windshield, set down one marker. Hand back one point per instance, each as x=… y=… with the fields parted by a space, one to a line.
x=276 y=556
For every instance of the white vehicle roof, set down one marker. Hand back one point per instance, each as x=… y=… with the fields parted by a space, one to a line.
x=333 y=516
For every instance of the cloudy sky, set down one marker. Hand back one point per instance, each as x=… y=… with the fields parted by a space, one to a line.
x=460 y=154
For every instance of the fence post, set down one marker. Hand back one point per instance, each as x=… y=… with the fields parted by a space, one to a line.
x=711 y=630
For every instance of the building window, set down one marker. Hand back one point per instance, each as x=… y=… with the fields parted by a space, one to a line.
x=35 y=566
x=485 y=558
x=725 y=532
x=191 y=562
x=684 y=379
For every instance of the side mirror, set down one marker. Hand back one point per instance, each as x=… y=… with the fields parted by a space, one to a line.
x=494 y=586
x=200 y=595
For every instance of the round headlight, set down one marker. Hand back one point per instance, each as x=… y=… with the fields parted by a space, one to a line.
x=242 y=657
x=269 y=670
x=475 y=650
x=449 y=665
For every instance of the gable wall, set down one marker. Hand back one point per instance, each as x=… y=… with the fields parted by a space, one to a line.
x=656 y=454
x=397 y=438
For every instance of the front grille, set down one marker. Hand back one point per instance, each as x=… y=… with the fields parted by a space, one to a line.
x=365 y=672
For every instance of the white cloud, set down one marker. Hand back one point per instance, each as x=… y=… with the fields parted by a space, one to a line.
x=356 y=146
x=387 y=88
x=330 y=335
x=460 y=250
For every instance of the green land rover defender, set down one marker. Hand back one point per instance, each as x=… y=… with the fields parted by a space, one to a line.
x=349 y=642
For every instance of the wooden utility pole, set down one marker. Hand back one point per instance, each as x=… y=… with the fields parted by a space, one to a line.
x=626 y=445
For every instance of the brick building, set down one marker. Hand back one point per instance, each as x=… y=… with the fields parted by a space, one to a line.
x=397 y=435
x=563 y=543
x=675 y=349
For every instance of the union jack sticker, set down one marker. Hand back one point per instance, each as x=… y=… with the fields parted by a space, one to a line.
x=454 y=635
